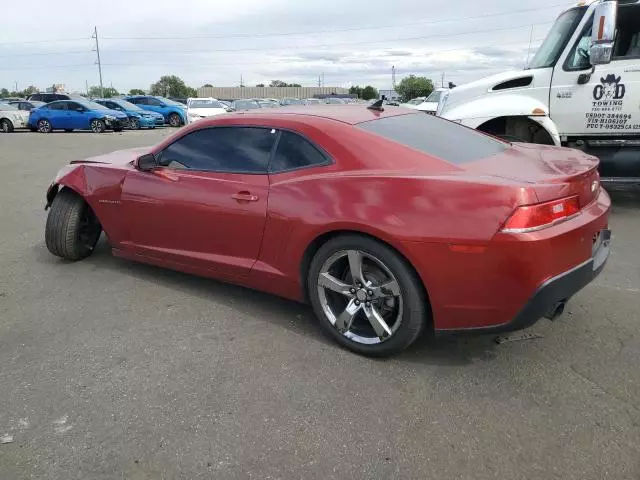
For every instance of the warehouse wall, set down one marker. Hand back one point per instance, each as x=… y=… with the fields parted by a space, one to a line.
x=267 y=92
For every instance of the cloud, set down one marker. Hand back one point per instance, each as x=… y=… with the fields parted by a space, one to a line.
x=350 y=42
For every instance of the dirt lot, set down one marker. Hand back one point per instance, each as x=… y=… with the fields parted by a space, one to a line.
x=110 y=369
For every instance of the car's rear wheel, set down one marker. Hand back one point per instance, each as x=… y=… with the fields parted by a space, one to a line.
x=6 y=126
x=72 y=229
x=134 y=124
x=366 y=295
x=98 y=126
x=44 y=126
x=175 y=120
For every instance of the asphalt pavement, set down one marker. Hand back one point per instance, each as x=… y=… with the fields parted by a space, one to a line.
x=116 y=370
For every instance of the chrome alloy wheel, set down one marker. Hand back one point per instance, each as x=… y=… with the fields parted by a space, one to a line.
x=360 y=296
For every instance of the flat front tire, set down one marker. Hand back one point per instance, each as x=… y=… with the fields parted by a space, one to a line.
x=72 y=229
x=366 y=296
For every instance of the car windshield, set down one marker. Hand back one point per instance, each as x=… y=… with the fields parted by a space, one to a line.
x=434 y=136
x=557 y=38
x=434 y=97
x=170 y=102
x=204 y=103
x=6 y=106
x=334 y=100
x=246 y=104
x=91 y=105
x=416 y=101
x=128 y=105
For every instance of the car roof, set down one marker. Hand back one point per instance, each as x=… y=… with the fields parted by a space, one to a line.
x=350 y=114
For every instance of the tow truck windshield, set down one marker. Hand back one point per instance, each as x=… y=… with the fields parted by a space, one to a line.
x=557 y=38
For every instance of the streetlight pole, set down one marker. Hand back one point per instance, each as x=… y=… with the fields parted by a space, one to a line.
x=95 y=35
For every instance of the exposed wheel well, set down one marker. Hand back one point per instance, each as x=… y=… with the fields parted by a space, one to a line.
x=315 y=245
x=520 y=129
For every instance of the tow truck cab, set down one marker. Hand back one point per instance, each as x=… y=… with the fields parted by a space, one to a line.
x=580 y=90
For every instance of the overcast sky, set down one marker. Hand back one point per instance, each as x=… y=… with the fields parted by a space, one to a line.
x=217 y=41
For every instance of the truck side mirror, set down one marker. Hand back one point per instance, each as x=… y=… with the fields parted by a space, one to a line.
x=603 y=32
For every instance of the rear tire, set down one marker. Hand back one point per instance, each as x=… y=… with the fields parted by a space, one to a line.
x=6 y=126
x=44 y=126
x=391 y=309
x=72 y=229
x=175 y=120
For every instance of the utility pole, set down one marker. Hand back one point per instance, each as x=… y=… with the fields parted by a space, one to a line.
x=241 y=81
x=442 y=80
x=86 y=84
x=322 y=75
x=16 y=82
x=95 y=35
x=319 y=83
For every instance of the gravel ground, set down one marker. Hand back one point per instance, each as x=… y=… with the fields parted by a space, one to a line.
x=111 y=369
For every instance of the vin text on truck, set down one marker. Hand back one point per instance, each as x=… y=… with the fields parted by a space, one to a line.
x=581 y=90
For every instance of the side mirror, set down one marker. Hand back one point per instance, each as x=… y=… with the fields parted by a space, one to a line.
x=146 y=162
x=603 y=33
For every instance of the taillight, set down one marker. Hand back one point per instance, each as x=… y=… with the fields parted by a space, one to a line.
x=529 y=218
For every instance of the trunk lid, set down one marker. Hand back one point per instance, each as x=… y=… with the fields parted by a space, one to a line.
x=554 y=172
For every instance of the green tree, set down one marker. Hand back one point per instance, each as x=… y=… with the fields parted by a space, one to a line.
x=4 y=93
x=412 y=87
x=369 y=93
x=260 y=85
x=207 y=85
x=356 y=90
x=280 y=83
x=30 y=90
x=136 y=91
x=107 y=92
x=172 y=86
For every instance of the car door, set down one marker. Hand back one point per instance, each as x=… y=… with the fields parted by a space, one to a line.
x=156 y=105
x=58 y=115
x=205 y=207
x=78 y=116
x=609 y=103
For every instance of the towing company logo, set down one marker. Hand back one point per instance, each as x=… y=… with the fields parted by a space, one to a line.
x=611 y=90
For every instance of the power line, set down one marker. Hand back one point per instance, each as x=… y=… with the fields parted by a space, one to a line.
x=337 y=30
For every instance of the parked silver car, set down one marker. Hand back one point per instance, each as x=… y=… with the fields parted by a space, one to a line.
x=12 y=118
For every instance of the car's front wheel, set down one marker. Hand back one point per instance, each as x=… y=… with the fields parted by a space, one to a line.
x=72 y=229
x=6 y=126
x=134 y=124
x=44 y=126
x=175 y=120
x=98 y=126
x=366 y=295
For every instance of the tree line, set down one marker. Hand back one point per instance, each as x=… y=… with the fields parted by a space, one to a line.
x=173 y=86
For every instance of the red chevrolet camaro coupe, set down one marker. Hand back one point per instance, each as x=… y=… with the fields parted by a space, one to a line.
x=389 y=222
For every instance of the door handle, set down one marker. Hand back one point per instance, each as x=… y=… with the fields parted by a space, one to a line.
x=244 y=197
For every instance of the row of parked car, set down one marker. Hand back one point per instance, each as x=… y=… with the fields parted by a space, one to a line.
x=46 y=112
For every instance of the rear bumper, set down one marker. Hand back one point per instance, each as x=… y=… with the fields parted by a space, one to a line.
x=555 y=291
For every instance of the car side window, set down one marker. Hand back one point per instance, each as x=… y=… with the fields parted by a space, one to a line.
x=138 y=101
x=58 y=106
x=112 y=106
x=221 y=149
x=73 y=106
x=293 y=152
x=154 y=102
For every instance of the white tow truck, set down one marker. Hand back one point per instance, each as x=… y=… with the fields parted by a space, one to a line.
x=581 y=90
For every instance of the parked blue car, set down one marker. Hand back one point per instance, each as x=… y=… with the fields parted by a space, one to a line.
x=138 y=118
x=69 y=115
x=174 y=113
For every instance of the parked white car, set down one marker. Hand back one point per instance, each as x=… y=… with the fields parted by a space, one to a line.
x=198 y=108
x=12 y=118
x=426 y=104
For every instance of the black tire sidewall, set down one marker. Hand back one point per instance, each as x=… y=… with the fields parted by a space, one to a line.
x=134 y=124
x=416 y=312
x=42 y=121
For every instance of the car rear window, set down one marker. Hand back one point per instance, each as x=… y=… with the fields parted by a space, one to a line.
x=437 y=137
